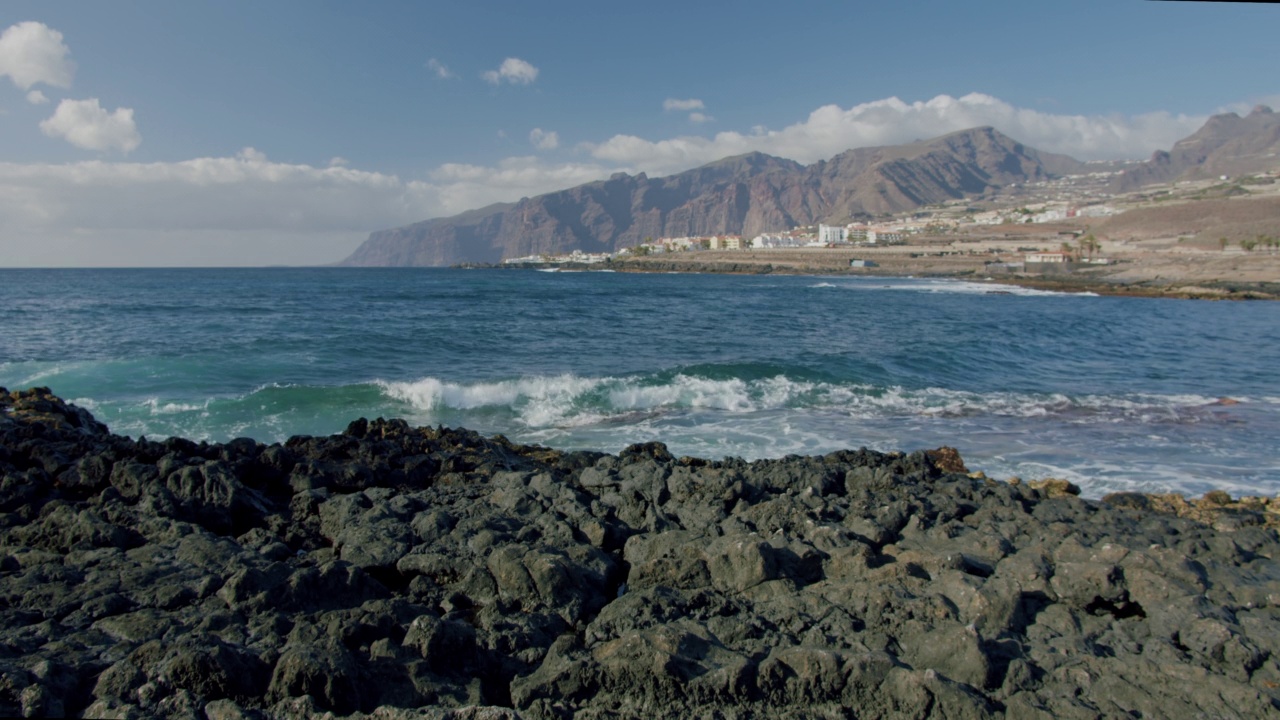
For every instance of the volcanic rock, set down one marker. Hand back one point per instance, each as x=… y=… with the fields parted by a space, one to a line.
x=399 y=572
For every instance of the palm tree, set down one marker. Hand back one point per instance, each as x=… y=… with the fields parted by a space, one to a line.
x=1089 y=244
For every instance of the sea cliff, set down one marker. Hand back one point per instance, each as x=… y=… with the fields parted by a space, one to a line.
x=407 y=572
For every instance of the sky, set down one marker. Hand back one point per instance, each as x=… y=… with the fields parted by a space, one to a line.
x=237 y=133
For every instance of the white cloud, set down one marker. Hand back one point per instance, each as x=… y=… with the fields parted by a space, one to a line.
x=441 y=70
x=683 y=105
x=241 y=210
x=84 y=123
x=1246 y=107
x=512 y=70
x=32 y=52
x=247 y=209
x=252 y=155
x=35 y=97
x=698 y=117
x=338 y=161
x=463 y=187
x=544 y=140
x=830 y=130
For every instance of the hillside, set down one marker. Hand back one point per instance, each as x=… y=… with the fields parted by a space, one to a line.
x=1235 y=219
x=746 y=195
x=1227 y=144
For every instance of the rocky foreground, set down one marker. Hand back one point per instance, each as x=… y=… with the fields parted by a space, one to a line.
x=406 y=572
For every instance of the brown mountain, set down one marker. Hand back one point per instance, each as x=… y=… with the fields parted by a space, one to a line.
x=746 y=195
x=1226 y=145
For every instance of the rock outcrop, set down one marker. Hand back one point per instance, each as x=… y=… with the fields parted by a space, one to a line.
x=746 y=195
x=393 y=571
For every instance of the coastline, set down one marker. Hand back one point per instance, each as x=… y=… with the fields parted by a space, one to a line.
x=1136 y=274
x=391 y=567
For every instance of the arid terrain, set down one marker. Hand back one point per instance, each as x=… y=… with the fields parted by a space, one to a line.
x=1169 y=245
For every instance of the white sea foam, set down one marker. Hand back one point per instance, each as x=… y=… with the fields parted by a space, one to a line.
x=959 y=287
x=538 y=401
x=157 y=407
x=574 y=401
x=42 y=375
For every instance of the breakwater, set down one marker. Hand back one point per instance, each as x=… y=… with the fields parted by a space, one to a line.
x=430 y=572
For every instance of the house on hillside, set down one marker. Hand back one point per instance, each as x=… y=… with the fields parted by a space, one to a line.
x=1047 y=257
x=1049 y=262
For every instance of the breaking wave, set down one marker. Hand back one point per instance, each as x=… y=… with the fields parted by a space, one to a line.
x=569 y=400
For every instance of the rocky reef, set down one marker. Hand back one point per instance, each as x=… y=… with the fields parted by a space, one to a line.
x=400 y=572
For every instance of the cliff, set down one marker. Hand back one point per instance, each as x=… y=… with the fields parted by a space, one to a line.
x=745 y=195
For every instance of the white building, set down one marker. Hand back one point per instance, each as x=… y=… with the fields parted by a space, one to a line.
x=725 y=242
x=832 y=234
x=1095 y=211
x=1050 y=215
x=775 y=240
x=1047 y=257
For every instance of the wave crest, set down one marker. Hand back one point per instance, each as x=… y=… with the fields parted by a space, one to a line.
x=570 y=400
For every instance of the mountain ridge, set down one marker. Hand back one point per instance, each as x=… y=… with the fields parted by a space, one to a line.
x=1227 y=144
x=755 y=192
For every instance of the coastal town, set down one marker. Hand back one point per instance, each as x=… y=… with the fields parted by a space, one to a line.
x=1071 y=229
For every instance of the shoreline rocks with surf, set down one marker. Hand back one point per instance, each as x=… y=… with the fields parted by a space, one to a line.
x=392 y=571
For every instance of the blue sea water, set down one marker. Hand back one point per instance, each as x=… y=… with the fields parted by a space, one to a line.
x=1111 y=393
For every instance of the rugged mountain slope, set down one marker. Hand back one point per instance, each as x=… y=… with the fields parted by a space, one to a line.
x=747 y=194
x=871 y=181
x=1227 y=145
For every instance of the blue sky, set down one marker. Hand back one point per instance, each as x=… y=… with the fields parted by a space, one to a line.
x=235 y=133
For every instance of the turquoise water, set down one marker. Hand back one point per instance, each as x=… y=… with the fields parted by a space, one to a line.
x=1112 y=393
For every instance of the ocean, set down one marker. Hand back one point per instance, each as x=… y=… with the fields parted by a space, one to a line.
x=1111 y=393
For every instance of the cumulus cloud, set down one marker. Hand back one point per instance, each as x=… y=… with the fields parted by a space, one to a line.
x=544 y=140
x=683 y=105
x=32 y=52
x=692 y=104
x=512 y=70
x=86 y=124
x=35 y=97
x=441 y=70
x=831 y=129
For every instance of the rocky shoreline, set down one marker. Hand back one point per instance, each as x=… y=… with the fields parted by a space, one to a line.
x=400 y=572
x=1074 y=283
